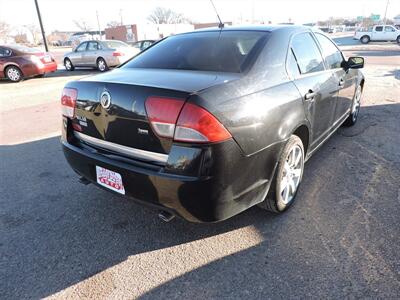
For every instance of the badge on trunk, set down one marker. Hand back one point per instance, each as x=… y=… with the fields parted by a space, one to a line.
x=105 y=99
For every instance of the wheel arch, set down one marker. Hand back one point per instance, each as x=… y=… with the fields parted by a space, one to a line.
x=303 y=132
x=11 y=64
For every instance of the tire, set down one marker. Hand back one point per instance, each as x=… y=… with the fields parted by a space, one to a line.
x=14 y=73
x=68 y=65
x=365 y=39
x=355 y=108
x=290 y=171
x=398 y=39
x=101 y=64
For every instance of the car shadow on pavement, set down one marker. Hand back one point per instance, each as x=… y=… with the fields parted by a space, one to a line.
x=55 y=233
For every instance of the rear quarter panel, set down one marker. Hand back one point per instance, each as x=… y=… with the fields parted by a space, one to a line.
x=260 y=119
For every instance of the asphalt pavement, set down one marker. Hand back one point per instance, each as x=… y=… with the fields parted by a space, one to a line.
x=61 y=239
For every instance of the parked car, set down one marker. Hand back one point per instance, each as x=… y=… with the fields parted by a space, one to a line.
x=99 y=54
x=141 y=45
x=19 y=62
x=378 y=33
x=207 y=124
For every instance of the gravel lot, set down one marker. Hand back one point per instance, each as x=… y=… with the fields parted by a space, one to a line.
x=61 y=239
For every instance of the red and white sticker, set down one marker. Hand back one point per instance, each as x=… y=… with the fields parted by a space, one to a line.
x=110 y=179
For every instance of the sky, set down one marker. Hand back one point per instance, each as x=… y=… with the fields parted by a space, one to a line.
x=59 y=14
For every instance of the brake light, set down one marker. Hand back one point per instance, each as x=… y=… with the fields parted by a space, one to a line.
x=68 y=102
x=117 y=53
x=194 y=124
x=163 y=113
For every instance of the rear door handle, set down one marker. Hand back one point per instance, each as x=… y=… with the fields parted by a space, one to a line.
x=341 y=82
x=310 y=95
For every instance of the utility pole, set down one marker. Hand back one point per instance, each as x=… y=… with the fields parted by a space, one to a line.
x=384 y=18
x=98 y=24
x=41 y=27
x=120 y=14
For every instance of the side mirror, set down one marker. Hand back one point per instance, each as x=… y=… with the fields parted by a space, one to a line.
x=355 y=62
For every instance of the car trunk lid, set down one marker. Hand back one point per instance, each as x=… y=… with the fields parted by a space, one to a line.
x=124 y=120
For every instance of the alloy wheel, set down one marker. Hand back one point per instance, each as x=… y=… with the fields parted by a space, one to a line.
x=101 y=64
x=291 y=176
x=356 y=104
x=67 y=64
x=13 y=74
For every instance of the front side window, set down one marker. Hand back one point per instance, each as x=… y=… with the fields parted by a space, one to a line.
x=389 y=29
x=81 y=47
x=331 y=53
x=379 y=28
x=307 y=53
x=217 y=51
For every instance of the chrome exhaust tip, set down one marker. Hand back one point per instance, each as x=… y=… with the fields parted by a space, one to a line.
x=84 y=181
x=166 y=216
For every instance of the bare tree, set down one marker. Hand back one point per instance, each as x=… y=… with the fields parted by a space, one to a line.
x=4 y=30
x=20 y=37
x=35 y=33
x=113 y=24
x=83 y=25
x=161 y=15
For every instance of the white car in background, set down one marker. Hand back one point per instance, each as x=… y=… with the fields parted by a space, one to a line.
x=378 y=33
x=99 y=54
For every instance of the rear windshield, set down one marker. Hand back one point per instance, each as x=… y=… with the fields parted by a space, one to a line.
x=226 y=51
x=115 y=44
x=24 y=49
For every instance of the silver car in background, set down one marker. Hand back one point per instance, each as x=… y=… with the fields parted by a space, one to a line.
x=99 y=54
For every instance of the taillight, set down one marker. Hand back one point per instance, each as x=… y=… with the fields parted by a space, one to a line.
x=194 y=124
x=117 y=53
x=163 y=113
x=68 y=101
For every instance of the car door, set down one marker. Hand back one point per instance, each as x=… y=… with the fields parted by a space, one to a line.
x=378 y=34
x=91 y=54
x=390 y=33
x=77 y=56
x=345 y=79
x=316 y=84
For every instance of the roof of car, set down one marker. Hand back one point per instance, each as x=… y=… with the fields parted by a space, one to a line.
x=254 y=28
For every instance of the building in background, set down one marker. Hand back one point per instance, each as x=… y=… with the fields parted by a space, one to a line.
x=206 y=25
x=125 y=33
x=137 y=32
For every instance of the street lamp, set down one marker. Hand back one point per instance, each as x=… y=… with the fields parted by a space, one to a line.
x=41 y=26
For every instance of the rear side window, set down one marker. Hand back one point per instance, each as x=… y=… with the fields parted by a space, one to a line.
x=331 y=53
x=292 y=66
x=92 y=46
x=5 y=52
x=379 y=28
x=218 y=51
x=307 y=53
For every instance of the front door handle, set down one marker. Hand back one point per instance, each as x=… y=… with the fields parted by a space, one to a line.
x=310 y=95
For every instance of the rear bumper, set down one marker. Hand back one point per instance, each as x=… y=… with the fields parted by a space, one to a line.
x=47 y=68
x=221 y=181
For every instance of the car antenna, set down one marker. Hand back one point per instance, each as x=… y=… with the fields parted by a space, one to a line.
x=220 y=25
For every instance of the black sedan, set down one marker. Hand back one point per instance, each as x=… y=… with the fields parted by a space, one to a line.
x=206 y=124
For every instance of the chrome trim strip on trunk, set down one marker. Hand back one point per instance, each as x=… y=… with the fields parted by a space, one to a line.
x=128 y=151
